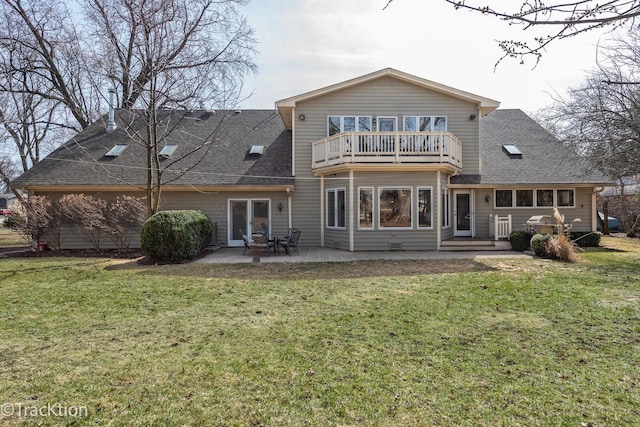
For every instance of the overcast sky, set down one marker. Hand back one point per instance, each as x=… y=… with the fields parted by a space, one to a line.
x=308 y=44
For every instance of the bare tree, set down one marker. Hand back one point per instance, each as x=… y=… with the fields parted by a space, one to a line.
x=601 y=121
x=41 y=39
x=157 y=54
x=171 y=54
x=35 y=50
x=567 y=18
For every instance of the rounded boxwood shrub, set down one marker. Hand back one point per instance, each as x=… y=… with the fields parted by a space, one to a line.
x=175 y=236
x=539 y=244
x=586 y=239
x=519 y=240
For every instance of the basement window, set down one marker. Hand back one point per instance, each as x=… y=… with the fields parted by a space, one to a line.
x=257 y=150
x=512 y=151
x=116 y=150
x=168 y=150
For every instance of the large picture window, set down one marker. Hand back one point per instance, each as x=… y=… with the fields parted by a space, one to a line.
x=394 y=208
x=336 y=208
x=425 y=216
x=365 y=208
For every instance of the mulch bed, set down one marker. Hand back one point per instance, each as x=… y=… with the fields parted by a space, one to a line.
x=26 y=252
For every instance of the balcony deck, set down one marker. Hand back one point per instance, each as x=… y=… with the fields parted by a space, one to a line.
x=387 y=147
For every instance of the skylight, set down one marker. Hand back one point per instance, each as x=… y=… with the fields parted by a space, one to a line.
x=116 y=150
x=512 y=150
x=257 y=149
x=168 y=150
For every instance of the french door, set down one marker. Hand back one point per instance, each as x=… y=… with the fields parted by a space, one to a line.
x=247 y=215
x=462 y=213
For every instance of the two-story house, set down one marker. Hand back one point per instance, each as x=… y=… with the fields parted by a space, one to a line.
x=385 y=161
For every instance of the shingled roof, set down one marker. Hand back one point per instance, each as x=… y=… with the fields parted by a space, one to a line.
x=544 y=160
x=225 y=160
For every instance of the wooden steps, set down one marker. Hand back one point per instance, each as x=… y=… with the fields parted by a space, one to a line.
x=459 y=245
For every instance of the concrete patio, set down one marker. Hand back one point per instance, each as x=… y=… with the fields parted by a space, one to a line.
x=316 y=254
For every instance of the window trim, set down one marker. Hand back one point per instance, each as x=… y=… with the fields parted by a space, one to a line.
x=418 y=189
x=514 y=198
x=342 y=116
x=412 y=223
x=373 y=204
x=336 y=208
x=535 y=197
x=557 y=198
x=553 y=197
x=446 y=208
x=432 y=121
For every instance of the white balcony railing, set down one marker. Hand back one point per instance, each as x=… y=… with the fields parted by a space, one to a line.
x=387 y=147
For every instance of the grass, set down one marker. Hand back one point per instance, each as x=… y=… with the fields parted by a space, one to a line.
x=11 y=239
x=503 y=342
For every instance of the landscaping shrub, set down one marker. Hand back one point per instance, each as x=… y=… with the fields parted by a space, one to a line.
x=37 y=219
x=125 y=217
x=86 y=214
x=539 y=243
x=561 y=248
x=520 y=240
x=586 y=239
x=175 y=236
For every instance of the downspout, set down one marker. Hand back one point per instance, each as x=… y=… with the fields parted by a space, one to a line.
x=322 y=219
x=594 y=208
x=289 y=208
x=293 y=142
x=438 y=210
x=351 y=215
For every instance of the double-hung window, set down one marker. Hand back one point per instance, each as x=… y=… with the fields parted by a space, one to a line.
x=445 y=208
x=336 y=208
x=365 y=208
x=425 y=212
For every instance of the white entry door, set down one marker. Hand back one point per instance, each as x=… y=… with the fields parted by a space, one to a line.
x=462 y=213
x=248 y=216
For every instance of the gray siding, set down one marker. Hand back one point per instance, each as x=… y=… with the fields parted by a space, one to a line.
x=214 y=205
x=519 y=216
x=382 y=97
x=380 y=238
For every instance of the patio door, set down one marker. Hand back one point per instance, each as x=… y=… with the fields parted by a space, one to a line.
x=462 y=213
x=386 y=142
x=246 y=215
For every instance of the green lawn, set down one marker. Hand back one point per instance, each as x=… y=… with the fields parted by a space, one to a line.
x=504 y=342
x=10 y=238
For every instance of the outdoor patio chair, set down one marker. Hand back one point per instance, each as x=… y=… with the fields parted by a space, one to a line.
x=291 y=241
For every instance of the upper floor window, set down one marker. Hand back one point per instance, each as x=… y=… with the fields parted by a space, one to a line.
x=425 y=124
x=339 y=124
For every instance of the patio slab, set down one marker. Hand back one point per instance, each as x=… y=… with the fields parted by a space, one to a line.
x=315 y=254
